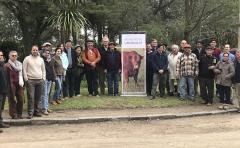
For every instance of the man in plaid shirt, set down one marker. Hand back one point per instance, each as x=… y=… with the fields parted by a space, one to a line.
x=186 y=71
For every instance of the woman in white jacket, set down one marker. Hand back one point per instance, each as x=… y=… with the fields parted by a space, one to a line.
x=172 y=62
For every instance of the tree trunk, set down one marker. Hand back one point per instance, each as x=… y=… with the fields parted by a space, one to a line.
x=86 y=35
x=188 y=15
x=74 y=35
x=100 y=33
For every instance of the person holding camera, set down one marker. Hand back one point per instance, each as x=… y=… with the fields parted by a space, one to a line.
x=206 y=75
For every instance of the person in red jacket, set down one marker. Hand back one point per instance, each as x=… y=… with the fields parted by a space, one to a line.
x=216 y=51
x=91 y=57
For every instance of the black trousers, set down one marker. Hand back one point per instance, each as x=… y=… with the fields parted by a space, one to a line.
x=206 y=89
x=101 y=79
x=91 y=76
x=2 y=103
x=225 y=94
x=77 y=83
x=68 y=84
x=149 y=81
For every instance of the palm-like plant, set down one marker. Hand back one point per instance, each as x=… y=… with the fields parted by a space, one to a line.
x=69 y=16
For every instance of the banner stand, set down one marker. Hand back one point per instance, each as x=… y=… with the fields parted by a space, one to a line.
x=133 y=53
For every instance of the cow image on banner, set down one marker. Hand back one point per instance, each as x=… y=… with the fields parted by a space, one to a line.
x=133 y=64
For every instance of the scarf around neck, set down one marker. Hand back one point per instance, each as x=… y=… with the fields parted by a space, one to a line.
x=17 y=66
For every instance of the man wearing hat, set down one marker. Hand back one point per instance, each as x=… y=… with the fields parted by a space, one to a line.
x=187 y=70
x=45 y=46
x=206 y=76
x=112 y=60
x=91 y=57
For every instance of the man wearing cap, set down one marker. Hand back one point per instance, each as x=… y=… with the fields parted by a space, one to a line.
x=45 y=46
x=112 y=60
x=187 y=70
x=206 y=76
x=91 y=57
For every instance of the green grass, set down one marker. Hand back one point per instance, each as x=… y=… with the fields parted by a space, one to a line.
x=121 y=102
x=104 y=102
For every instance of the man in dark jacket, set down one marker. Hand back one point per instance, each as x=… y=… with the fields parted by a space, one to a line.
x=100 y=65
x=206 y=76
x=68 y=85
x=160 y=64
x=112 y=60
x=199 y=51
x=3 y=89
x=236 y=79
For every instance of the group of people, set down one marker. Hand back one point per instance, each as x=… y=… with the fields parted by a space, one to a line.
x=65 y=67
x=182 y=69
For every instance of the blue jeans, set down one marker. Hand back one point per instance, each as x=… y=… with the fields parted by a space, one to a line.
x=58 y=88
x=45 y=96
x=183 y=87
x=112 y=78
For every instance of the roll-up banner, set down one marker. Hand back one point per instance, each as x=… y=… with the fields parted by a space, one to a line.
x=133 y=63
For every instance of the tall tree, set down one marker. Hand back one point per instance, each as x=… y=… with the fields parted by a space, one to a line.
x=68 y=16
x=31 y=16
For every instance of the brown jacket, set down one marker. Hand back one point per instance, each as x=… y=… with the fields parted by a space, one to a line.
x=57 y=66
x=224 y=73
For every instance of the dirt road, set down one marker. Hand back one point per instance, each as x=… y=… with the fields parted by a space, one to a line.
x=222 y=131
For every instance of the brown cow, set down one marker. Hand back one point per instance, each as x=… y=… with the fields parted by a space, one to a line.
x=131 y=65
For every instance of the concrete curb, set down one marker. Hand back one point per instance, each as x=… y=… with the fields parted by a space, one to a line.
x=48 y=121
